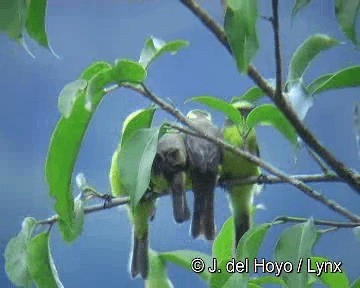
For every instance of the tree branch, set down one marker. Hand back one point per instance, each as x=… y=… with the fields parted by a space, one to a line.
x=276 y=27
x=263 y=179
x=285 y=219
x=281 y=102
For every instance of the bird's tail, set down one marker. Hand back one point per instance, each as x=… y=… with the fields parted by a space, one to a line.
x=241 y=200
x=140 y=257
x=180 y=208
x=203 y=214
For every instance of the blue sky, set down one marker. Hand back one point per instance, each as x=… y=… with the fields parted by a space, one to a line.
x=81 y=32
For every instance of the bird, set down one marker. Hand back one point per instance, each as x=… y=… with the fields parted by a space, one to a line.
x=139 y=217
x=169 y=172
x=237 y=167
x=204 y=159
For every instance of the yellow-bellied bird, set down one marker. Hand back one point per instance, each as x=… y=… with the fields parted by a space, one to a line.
x=204 y=163
x=237 y=167
x=169 y=172
x=139 y=218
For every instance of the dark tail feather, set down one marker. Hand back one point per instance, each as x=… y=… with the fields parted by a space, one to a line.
x=140 y=258
x=203 y=215
x=181 y=211
x=242 y=224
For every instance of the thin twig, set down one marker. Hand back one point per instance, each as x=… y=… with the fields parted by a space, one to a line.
x=281 y=102
x=276 y=28
x=264 y=179
x=318 y=160
x=285 y=219
x=268 y=167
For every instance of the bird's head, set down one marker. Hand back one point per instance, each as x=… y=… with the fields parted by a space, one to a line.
x=244 y=107
x=197 y=113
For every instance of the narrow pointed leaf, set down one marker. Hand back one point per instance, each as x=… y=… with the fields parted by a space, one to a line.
x=240 y=28
x=155 y=47
x=268 y=114
x=331 y=280
x=219 y=105
x=17 y=12
x=135 y=162
x=184 y=258
x=141 y=118
x=63 y=149
x=299 y=4
x=306 y=52
x=346 y=78
x=157 y=277
x=35 y=23
x=40 y=263
x=251 y=95
x=296 y=243
x=69 y=94
x=16 y=255
x=346 y=12
x=224 y=242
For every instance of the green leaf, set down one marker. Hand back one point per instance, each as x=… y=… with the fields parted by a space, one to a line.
x=346 y=12
x=240 y=29
x=332 y=280
x=124 y=71
x=128 y=71
x=40 y=263
x=224 y=241
x=16 y=254
x=306 y=52
x=237 y=280
x=69 y=94
x=299 y=4
x=268 y=280
x=247 y=250
x=184 y=259
x=63 y=149
x=135 y=162
x=157 y=277
x=35 y=22
x=141 y=118
x=219 y=105
x=296 y=243
x=250 y=243
x=268 y=114
x=155 y=47
x=79 y=217
x=345 y=78
x=356 y=283
x=14 y=12
x=251 y=95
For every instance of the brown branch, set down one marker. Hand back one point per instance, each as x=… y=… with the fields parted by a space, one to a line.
x=263 y=179
x=281 y=102
x=285 y=219
x=276 y=27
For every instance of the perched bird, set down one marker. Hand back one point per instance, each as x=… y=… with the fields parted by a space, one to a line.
x=204 y=162
x=168 y=172
x=139 y=217
x=237 y=167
